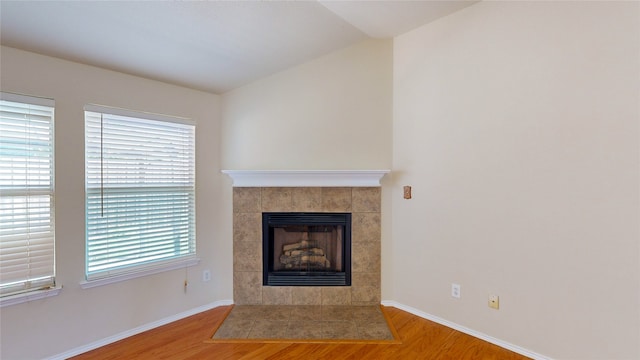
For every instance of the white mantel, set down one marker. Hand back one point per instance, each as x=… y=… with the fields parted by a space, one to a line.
x=306 y=178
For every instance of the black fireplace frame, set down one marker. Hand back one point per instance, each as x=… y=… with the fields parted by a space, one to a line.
x=270 y=220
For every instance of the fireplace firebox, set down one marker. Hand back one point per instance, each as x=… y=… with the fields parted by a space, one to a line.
x=306 y=249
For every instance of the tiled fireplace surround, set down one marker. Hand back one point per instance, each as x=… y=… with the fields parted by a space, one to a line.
x=248 y=204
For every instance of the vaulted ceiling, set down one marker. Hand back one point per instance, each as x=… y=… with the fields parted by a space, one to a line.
x=213 y=46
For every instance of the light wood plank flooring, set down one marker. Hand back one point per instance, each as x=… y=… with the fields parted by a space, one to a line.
x=186 y=339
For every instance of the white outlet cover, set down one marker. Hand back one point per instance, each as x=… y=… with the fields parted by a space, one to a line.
x=455 y=290
x=206 y=275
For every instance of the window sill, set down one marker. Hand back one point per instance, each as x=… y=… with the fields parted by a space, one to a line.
x=29 y=296
x=87 y=284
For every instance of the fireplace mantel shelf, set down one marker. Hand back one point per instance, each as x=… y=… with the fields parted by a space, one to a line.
x=306 y=178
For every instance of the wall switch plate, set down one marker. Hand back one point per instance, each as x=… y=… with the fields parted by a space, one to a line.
x=206 y=275
x=494 y=302
x=407 y=192
x=455 y=290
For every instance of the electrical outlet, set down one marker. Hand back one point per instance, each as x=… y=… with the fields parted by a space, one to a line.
x=455 y=290
x=494 y=302
x=206 y=275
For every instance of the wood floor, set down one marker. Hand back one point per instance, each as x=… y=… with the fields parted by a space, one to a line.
x=185 y=339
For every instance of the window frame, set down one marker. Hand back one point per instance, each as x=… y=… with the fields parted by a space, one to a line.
x=122 y=273
x=32 y=286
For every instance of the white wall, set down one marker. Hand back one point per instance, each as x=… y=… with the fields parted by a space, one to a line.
x=78 y=317
x=330 y=113
x=517 y=125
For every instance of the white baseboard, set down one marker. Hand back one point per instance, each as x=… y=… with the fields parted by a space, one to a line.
x=139 y=329
x=476 y=334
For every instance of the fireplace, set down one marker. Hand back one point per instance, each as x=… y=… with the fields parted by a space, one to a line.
x=306 y=249
x=363 y=203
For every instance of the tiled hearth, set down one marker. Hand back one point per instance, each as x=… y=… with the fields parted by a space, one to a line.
x=248 y=205
x=305 y=322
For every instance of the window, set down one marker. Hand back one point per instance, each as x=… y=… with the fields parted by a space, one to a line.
x=27 y=246
x=140 y=192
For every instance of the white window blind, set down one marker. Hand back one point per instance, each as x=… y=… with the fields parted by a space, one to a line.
x=140 y=192
x=27 y=246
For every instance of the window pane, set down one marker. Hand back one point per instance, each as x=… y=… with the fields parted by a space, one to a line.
x=27 y=259
x=140 y=179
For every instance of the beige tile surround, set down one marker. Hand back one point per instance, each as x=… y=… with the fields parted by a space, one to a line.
x=364 y=203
